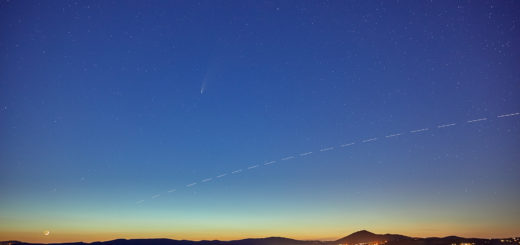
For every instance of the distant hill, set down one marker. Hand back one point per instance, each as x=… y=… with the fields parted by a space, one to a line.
x=250 y=241
x=369 y=237
x=360 y=238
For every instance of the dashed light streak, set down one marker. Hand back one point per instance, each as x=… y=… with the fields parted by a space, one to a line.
x=392 y=135
x=331 y=148
x=369 y=140
x=268 y=163
x=327 y=149
x=419 y=130
x=477 y=120
x=446 y=125
x=509 y=115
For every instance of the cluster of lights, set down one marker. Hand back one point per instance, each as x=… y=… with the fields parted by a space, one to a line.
x=511 y=240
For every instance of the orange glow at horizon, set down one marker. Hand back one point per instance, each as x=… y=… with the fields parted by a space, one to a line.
x=77 y=236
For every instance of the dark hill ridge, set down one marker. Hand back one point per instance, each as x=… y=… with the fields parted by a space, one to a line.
x=359 y=237
x=159 y=241
x=369 y=237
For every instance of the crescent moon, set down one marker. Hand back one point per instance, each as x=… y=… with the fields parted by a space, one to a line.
x=46 y=233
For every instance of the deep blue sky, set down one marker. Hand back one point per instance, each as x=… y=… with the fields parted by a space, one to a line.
x=104 y=103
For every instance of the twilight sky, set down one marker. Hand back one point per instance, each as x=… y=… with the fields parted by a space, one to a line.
x=106 y=106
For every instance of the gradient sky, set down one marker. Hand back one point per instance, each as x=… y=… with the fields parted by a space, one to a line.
x=104 y=104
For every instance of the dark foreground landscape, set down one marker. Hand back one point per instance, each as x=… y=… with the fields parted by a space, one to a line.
x=357 y=238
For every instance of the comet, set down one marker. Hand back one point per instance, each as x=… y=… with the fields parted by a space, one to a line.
x=203 y=87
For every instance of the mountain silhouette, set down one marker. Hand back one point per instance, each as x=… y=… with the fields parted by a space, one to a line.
x=362 y=237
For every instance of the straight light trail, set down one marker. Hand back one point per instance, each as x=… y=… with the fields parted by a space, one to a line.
x=439 y=127
x=392 y=135
x=271 y=162
x=369 y=140
x=477 y=120
x=419 y=130
x=509 y=115
x=446 y=125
